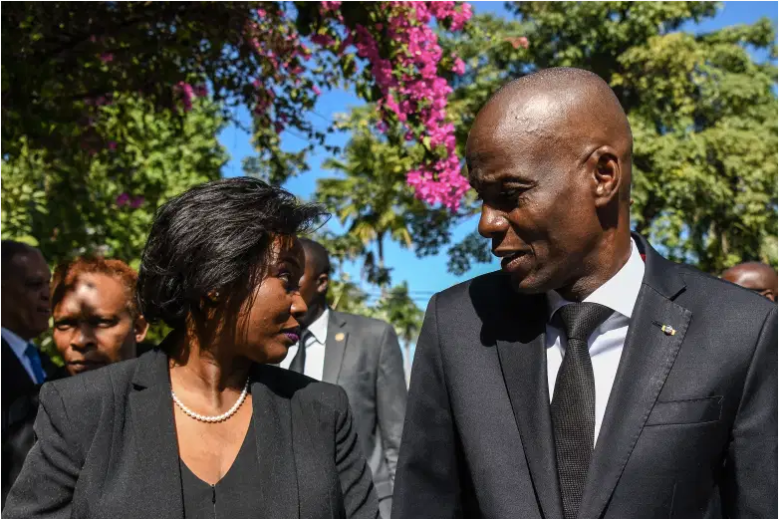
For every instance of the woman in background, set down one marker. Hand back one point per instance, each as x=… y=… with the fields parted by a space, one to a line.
x=96 y=316
x=204 y=426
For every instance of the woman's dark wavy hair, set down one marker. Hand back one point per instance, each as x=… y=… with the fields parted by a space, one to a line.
x=215 y=238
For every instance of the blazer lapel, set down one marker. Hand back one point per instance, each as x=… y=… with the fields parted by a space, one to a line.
x=647 y=357
x=272 y=418
x=335 y=346
x=522 y=353
x=151 y=408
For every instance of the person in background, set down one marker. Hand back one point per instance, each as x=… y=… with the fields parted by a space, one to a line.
x=755 y=276
x=96 y=317
x=363 y=356
x=25 y=315
x=204 y=425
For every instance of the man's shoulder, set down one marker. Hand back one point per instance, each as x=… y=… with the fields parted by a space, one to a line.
x=483 y=294
x=720 y=296
x=360 y=322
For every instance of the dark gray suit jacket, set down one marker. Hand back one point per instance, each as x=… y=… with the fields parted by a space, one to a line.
x=107 y=447
x=363 y=356
x=691 y=414
x=19 y=407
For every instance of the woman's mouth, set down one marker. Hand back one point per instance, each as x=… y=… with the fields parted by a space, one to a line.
x=85 y=365
x=292 y=335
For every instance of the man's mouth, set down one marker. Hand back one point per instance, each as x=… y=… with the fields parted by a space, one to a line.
x=513 y=261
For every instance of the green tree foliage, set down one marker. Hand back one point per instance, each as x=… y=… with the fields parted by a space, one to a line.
x=63 y=60
x=703 y=113
x=104 y=201
x=372 y=199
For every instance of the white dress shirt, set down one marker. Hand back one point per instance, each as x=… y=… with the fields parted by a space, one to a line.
x=315 y=348
x=619 y=293
x=19 y=345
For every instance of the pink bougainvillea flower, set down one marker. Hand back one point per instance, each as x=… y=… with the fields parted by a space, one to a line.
x=122 y=199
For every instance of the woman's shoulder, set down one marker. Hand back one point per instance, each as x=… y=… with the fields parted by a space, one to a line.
x=300 y=388
x=93 y=389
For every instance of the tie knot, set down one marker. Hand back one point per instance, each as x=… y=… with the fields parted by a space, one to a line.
x=31 y=350
x=579 y=320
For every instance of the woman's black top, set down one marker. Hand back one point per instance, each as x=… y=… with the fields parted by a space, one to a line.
x=235 y=496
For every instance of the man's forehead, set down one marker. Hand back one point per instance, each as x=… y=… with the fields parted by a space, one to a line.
x=30 y=263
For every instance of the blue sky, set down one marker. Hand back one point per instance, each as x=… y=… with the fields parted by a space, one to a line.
x=428 y=275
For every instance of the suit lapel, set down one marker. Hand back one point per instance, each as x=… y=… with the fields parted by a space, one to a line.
x=272 y=418
x=335 y=346
x=522 y=353
x=155 y=439
x=647 y=358
x=19 y=380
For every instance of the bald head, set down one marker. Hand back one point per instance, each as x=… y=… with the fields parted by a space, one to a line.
x=755 y=276
x=550 y=155
x=572 y=111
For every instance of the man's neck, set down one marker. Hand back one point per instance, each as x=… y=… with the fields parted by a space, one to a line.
x=604 y=265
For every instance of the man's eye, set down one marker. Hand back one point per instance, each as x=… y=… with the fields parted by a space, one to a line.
x=62 y=326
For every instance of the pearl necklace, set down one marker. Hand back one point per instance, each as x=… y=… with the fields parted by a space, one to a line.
x=212 y=419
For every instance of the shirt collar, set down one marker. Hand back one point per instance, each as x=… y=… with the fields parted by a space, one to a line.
x=319 y=327
x=16 y=343
x=618 y=293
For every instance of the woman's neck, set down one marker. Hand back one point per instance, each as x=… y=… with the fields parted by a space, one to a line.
x=212 y=372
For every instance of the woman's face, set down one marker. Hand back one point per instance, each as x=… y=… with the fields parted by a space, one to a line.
x=93 y=326
x=269 y=321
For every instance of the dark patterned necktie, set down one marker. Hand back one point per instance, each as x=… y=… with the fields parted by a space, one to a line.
x=299 y=362
x=573 y=404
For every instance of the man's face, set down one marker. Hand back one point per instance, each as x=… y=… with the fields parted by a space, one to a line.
x=93 y=326
x=25 y=295
x=309 y=282
x=537 y=206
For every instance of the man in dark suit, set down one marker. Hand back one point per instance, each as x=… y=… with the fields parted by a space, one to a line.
x=363 y=356
x=25 y=315
x=591 y=378
x=755 y=276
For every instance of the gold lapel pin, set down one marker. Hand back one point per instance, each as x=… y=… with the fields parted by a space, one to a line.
x=668 y=330
x=339 y=337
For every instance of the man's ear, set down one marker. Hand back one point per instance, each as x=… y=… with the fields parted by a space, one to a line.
x=607 y=175
x=769 y=294
x=322 y=283
x=140 y=328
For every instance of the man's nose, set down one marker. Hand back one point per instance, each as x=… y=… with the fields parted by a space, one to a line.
x=492 y=222
x=299 y=306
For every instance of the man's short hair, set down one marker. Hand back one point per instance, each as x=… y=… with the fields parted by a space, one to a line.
x=67 y=273
x=318 y=254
